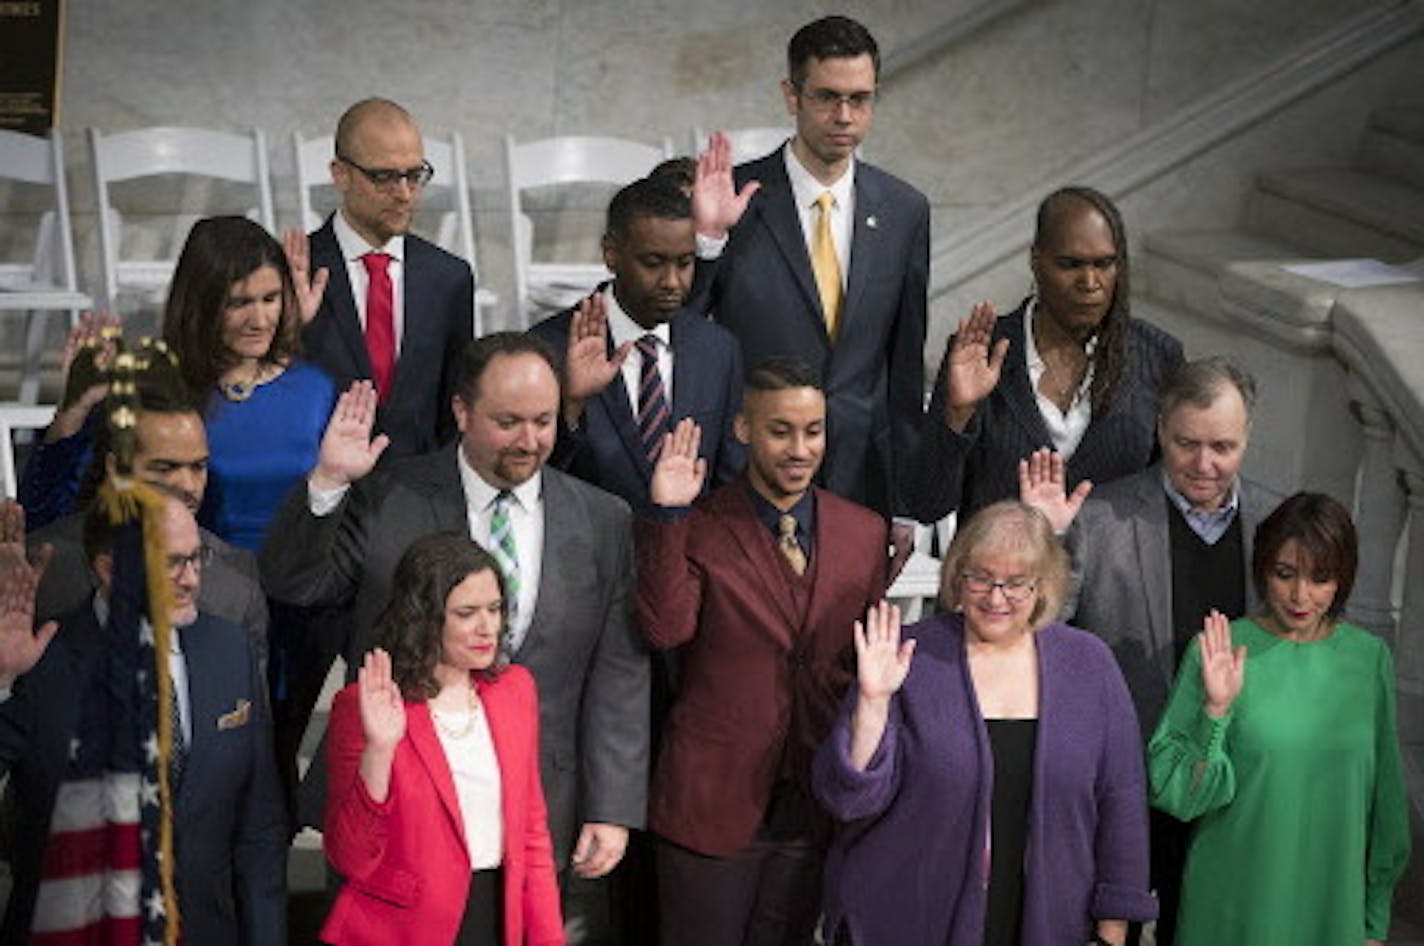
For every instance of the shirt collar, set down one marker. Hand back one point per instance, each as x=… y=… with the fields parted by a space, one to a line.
x=1031 y=355
x=805 y=188
x=1222 y=514
x=480 y=495
x=804 y=512
x=621 y=327
x=354 y=246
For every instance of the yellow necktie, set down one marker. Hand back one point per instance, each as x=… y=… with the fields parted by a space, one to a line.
x=789 y=546
x=827 y=265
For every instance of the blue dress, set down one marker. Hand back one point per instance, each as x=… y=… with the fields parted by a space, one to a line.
x=261 y=448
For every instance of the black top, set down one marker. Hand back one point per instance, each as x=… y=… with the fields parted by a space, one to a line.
x=1203 y=577
x=1011 y=741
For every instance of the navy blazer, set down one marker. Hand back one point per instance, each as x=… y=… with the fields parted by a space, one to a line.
x=967 y=471
x=438 y=324
x=229 y=825
x=763 y=290
x=606 y=449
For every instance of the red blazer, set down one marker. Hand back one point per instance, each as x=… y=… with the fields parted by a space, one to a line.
x=405 y=861
x=752 y=678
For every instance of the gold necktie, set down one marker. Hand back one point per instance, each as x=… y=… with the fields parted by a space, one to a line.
x=789 y=546
x=827 y=265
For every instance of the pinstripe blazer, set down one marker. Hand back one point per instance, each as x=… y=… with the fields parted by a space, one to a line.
x=967 y=471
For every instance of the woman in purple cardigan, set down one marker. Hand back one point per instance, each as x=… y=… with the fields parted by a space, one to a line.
x=932 y=847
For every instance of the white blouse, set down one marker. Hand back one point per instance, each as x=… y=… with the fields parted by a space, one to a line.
x=475 y=769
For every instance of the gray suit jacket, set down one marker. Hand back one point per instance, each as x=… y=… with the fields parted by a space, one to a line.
x=230 y=589
x=588 y=661
x=1123 y=575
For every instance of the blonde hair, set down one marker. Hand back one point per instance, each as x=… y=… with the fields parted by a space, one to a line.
x=1010 y=528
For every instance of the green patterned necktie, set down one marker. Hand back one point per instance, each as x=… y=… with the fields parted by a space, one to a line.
x=502 y=548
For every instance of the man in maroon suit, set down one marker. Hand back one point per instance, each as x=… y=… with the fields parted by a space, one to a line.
x=759 y=583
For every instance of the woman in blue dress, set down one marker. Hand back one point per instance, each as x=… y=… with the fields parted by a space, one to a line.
x=234 y=317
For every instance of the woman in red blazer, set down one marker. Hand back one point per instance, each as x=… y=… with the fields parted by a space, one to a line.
x=435 y=813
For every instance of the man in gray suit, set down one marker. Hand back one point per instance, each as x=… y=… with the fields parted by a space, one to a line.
x=565 y=548
x=171 y=453
x=1155 y=552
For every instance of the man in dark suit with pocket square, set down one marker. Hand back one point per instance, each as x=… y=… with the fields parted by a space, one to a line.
x=229 y=820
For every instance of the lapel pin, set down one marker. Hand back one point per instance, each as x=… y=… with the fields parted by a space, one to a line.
x=236 y=718
x=872 y=222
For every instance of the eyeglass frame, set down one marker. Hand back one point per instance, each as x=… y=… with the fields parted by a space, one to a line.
x=830 y=101
x=986 y=586
x=199 y=558
x=388 y=178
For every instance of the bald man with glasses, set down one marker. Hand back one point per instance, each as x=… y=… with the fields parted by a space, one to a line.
x=396 y=310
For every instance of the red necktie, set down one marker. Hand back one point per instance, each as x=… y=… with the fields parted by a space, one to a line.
x=380 y=322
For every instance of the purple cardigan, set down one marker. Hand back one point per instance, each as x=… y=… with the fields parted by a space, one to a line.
x=910 y=861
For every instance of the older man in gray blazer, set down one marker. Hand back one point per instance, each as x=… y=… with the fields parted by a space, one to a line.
x=565 y=548
x=1155 y=552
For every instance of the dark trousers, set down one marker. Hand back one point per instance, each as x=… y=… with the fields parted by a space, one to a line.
x=1169 y=839
x=483 y=923
x=767 y=894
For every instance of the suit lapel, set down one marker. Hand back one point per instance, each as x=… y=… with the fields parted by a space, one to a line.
x=326 y=252
x=205 y=670
x=506 y=752
x=1018 y=389
x=756 y=544
x=777 y=210
x=446 y=494
x=622 y=417
x=420 y=728
x=863 y=242
x=416 y=336
x=1154 y=556
x=561 y=518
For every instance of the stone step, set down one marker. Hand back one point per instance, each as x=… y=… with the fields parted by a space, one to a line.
x=1340 y=212
x=1185 y=267
x=1393 y=145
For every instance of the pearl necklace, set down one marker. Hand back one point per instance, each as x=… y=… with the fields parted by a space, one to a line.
x=459 y=732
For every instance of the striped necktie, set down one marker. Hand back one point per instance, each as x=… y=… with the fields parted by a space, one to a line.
x=502 y=547
x=652 y=399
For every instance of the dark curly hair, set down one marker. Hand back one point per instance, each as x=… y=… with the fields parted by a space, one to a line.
x=219 y=252
x=411 y=626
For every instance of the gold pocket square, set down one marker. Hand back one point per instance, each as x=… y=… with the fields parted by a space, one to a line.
x=237 y=717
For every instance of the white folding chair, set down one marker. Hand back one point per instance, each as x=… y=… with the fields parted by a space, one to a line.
x=48 y=282
x=747 y=143
x=197 y=153
x=456 y=230
x=557 y=161
x=18 y=417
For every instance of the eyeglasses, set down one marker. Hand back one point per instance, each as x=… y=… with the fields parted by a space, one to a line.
x=1018 y=588
x=388 y=178
x=826 y=100
x=199 y=558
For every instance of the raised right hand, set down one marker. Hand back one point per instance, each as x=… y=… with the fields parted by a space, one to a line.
x=1043 y=485
x=587 y=367
x=678 y=475
x=382 y=709
x=21 y=646
x=716 y=204
x=1223 y=669
x=972 y=367
x=347 y=450
x=882 y=661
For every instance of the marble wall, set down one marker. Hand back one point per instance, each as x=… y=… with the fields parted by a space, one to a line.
x=1044 y=86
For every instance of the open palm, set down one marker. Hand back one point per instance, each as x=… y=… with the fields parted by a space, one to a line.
x=1223 y=668
x=382 y=709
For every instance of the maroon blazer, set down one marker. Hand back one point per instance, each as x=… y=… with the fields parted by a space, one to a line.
x=405 y=861
x=755 y=679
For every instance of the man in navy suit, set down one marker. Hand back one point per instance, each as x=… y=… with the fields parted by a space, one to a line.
x=830 y=264
x=635 y=361
x=396 y=309
x=229 y=823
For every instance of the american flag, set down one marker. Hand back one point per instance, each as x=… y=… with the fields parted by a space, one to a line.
x=107 y=875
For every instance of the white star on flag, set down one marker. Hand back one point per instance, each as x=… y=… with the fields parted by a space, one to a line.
x=150 y=747
x=156 y=910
